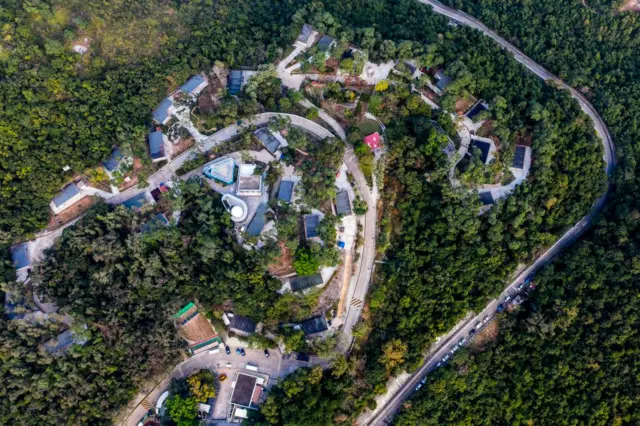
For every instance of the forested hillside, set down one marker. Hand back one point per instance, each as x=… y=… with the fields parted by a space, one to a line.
x=570 y=355
x=59 y=108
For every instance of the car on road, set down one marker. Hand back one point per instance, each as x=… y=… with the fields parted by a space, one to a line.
x=455 y=348
x=266 y=353
x=520 y=286
x=500 y=308
x=242 y=352
x=478 y=326
x=238 y=351
x=227 y=349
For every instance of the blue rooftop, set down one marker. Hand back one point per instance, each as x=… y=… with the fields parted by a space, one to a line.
x=257 y=223
x=268 y=139
x=235 y=82
x=136 y=201
x=311 y=222
x=156 y=145
x=67 y=193
x=20 y=256
x=114 y=159
x=192 y=84
x=160 y=114
x=285 y=193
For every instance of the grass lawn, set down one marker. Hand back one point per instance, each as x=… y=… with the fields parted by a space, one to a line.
x=369 y=126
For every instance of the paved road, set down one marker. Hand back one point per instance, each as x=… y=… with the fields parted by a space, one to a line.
x=275 y=366
x=385 y=414
x=356 y=293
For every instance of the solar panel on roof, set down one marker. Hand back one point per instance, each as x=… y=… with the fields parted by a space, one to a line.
x=518 y=157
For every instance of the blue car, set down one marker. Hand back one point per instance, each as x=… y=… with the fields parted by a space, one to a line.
x=242 y=351
x=500 y=308
x=238 y=351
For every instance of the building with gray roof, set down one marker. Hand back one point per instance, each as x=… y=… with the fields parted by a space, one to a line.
x=156 y=146
x=314 y=325
x=518 y=157
x=300 y=283
x=343 y=203
x=267 y=139
x=325 y=43
x=241 y=325
x=137 y=201
x=311 y=222
x=305 y=34
x=194 y=85
x=234 y=82
x=257 y=223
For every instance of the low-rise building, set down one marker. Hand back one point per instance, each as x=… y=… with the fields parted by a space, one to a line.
x=300 y=284
x=113 y=161
x=373 y=141
x=156 y=146
x=239 y=324
x=196 y=329
x=194 y=85
x=249 y=183
x=442 y=81
x=20 y=257
x=311 y=222
x=137 y=201
x=221 y=169
x=305 y=34
x=326 y=42
x=285 y=192
x=63 y=342
x=69 y=195
x=343 y=203
x=272 y=141
x=162 y=114
x=258 y=221
x=246 y=394
x=157 y=221
x=314 y=326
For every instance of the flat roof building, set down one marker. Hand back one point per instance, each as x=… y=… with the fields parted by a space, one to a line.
x=246 y=394
x=486 y=198
x=240 y=324
x=325 y=43
x=156 y=146
x=268 y=139
x=484 y=148
x=221 y=169
x=343 y=203
x=518 y=157
x=249 y=184
x=311 y=222
x=137 y=201
x=69 y=195
x=285 y=193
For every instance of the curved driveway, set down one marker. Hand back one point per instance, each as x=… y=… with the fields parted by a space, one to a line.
x=386 y=412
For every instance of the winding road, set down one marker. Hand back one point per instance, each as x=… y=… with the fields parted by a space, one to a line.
x=385 y=413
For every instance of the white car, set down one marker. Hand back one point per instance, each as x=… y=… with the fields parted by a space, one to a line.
x=446 y=358
x=486 y=319
x=419 y=386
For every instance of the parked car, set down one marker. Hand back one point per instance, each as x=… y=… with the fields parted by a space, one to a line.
x=419 y=386
x=454 y=349
x=520 y=286
x=227 y=349
x=486 y=319
x=528 y=279
x=507 y=299
x=478 y=325
x=472 y=332
x=222 y=377
x=445 y=358
x=500 y=308
x=242 y=352
x=229 y=365
x=266 y=353
x=438 y=365
x=238 y=351
x=462 y=341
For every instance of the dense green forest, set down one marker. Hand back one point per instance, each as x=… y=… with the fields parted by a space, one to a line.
x=442 y=258
x=125 y=284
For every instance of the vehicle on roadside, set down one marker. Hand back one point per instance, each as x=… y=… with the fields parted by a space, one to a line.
x=445 y=358
x=462 y=342
x=222 y=377
x=214 y=351
x=424 y=380
x=479 y=325
x=438 y=365
x=455 y=348
x=500 y=308
x=242 y=352
x=528 y=280
x=419 y=386
x=520 y=286
x=229 y=365
x=472 y=332
x=227 y=349
x=238 y=351
x=266 y=353
x=486 y=319
x=507 y=299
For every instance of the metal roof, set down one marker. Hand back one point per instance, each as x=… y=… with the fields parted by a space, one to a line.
x=243 y=390
x=160 y=114
x=305 y=33
x=302 y=283
x=156 y=145
x=242 y=323
x=20 y=256
x=285 y=193
x=268 y=139
x=114 y=159
x=518 y=158
x=343 y=206
x=443 y=80
x=67 y=193
x=314 y=325
x=234 y=82
x=257 y=223
x=311 y=222
x=191 y=84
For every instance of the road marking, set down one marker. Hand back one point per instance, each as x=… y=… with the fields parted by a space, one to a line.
x=356 y=303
